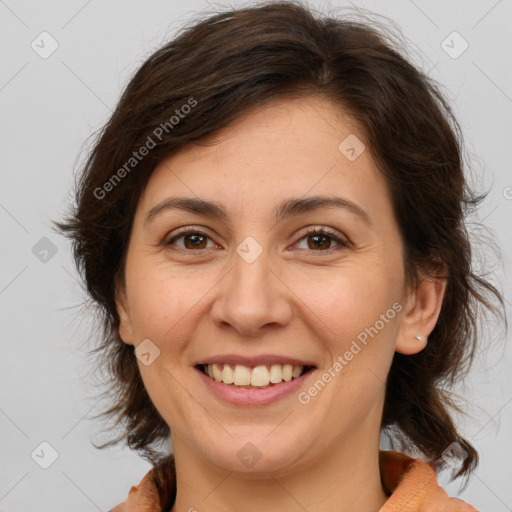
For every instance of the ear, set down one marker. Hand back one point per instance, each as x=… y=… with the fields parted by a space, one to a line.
x=421 y=313
x=123 y=310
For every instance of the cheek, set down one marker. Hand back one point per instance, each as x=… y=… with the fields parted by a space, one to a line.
x=160 y=305
x=356 y=321
x=345 y=303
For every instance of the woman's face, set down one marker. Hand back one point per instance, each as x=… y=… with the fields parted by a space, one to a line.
x=255 y=289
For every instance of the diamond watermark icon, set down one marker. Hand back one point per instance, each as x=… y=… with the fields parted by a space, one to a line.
x=454 y=45
x=44 y=455
x=44 y=250
x=147 y=352
x=249 y=249
x=351 y=147
x=44 y=45
x=249 y=455
x=454 y=455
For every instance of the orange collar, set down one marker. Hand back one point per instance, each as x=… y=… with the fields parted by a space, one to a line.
x=411 y=483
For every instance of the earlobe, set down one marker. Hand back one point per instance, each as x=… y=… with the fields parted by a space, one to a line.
x=420 y=316
x=411 y=345
x=125 y=326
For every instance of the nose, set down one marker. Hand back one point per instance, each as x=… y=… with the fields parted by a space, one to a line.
x=252 y=298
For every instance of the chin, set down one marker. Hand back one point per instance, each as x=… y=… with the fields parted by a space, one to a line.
x=255 y=456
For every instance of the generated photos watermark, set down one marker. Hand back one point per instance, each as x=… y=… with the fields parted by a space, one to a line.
x=304 y=397
x=143 y=151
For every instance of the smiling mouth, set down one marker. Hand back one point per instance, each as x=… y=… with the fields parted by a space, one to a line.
x=257 y=377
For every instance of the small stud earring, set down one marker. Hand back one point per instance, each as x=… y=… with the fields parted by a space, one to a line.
x=421 y=338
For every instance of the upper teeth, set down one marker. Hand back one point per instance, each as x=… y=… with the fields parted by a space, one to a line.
x=258 y=376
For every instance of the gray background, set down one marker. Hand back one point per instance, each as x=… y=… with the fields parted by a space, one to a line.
x=49 y=106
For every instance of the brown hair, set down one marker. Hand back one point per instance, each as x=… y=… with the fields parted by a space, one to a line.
x=232 y=62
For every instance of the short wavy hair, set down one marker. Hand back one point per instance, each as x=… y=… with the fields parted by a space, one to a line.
x=229 y=63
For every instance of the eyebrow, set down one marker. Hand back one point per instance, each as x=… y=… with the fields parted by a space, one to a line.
x=287 y=208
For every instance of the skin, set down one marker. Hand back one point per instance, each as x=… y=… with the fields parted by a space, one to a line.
x=294 y=299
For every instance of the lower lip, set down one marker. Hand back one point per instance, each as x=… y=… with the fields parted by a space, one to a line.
x=253 y=397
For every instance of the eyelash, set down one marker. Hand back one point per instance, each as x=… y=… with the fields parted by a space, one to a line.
x=303 y=234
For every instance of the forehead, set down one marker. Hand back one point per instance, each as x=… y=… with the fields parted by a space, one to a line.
x=287 y=148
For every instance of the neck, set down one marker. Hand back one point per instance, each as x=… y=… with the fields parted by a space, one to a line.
x=345 y=478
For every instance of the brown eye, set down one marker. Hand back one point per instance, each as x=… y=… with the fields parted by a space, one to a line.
x=192 y=239
x=320 y=239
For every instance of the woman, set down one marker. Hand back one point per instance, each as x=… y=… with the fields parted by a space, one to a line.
x=272 y=222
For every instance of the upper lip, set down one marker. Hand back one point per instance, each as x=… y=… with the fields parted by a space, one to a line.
x=263 y=359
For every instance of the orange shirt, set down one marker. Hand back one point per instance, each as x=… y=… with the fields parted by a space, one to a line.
x=411 y=483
